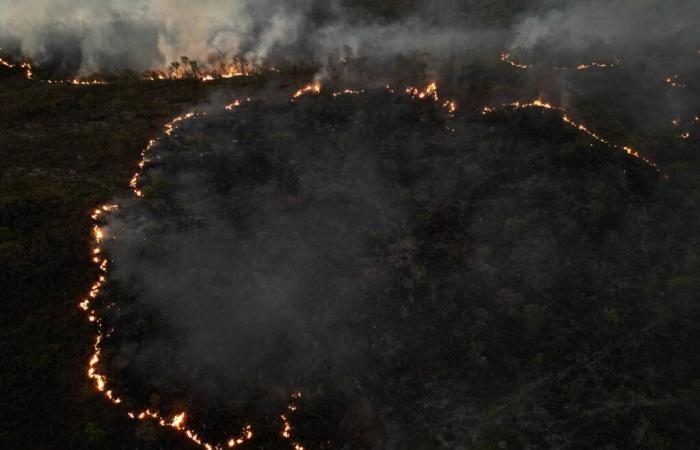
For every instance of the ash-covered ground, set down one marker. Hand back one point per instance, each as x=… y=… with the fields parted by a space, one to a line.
x=426 y=281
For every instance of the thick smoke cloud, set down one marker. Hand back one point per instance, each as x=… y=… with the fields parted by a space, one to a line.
x=634 y=31
x=84 y=37
x=648 y=42
x=89 y=36
x=147 y=34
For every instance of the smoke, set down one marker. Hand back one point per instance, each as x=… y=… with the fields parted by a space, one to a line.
x=656 y=32
x=147 y=34
x=90 y=36
x=347 y=248
x=370 y=44
x=367 y=250
x=643 y=44
x=254 y=263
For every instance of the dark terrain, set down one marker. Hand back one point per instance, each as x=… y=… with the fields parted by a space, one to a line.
x=496 y=281
x=64 y=151
x=427 y=281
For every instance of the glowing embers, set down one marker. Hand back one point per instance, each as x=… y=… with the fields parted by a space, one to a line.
x=287 y=429
x=685 y=125
x=566 y=119
x=214 y=76
x=171 y=126
x=507 y=58
x=25 y=66
x=246 y=436
x=186 y=68
x=77 y=82
x=235 y=104
x=348 y=92
x=99 y=379
x=431 y=92
x=176 y=421
x=29 y=75
x=181 y=72
x=315 y=89
x=225 y=75
x=168 y=129
x=673 y=81
x=222 y=72
x=591 y=65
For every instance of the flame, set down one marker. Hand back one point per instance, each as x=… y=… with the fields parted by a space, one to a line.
x=430 y=92
x=99 y=379
x=566 y=119
x=507 y=58
x=287 y=428
x=178 y=421
x=222 y=71
x=25 y=66
x=246 y=436
x=235 y=104
x=314 y=88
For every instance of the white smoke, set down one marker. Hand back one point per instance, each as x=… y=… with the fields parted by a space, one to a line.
x=147 y=34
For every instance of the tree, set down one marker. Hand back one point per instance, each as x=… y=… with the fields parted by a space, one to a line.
x=174 y=69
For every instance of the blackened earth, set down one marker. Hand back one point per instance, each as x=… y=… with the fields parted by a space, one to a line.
x=427 y=281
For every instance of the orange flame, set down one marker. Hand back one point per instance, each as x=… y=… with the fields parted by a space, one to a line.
x=566 y=119
x=100 y=380
x=314 y=88
x=431 y=92
x=507 y=58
